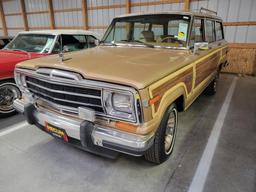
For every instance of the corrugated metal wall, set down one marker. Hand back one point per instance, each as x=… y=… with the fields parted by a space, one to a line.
x=12 y=21
x=229 y=10
x=37 y=20
x=233 y=10
x=102 y=17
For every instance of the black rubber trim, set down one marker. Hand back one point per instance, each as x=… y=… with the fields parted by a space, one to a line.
x=29 y=113
x=123 y=149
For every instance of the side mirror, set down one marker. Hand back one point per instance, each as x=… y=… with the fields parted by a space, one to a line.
x=65 y=49
x=97 y=42
x=200 y=46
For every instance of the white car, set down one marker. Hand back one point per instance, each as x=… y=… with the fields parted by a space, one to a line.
x=50 y=41
x=33 y=44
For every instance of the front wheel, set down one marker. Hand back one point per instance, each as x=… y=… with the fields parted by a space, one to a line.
x=8 y=93
x=164 y=137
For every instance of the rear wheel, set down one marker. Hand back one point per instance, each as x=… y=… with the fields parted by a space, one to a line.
x=8 y=93
x=212 y=87
x=164 y=138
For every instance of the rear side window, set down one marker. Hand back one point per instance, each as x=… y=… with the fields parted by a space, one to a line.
x=209 y=31
x=219 y=31
x=197 y=31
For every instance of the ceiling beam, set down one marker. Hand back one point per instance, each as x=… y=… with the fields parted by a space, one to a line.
x=24 y=15
x=128 y=6
x=85 y=14
x=3 y=19
x=51 y=14
x=186 y=5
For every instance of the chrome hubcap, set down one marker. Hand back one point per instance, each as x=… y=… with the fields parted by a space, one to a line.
x=8 y=93
x=170 y=131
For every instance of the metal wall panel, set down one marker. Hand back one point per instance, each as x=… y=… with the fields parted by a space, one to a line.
x=13 y=32
x=13 y=6
x=68 y=19
x=36 y=5
x=233 y=11
x=229 y=10
x=14 y=21
x=66 y=4
x=39 y=20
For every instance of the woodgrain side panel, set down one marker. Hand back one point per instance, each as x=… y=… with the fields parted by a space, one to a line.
x=185 y=77
x=206 y=67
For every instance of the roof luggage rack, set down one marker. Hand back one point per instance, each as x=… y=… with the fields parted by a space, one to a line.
x=204 y=10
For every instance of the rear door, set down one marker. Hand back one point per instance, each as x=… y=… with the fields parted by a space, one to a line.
x=207 y=66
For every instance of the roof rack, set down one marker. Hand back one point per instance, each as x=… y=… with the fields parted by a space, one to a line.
x=204 y=10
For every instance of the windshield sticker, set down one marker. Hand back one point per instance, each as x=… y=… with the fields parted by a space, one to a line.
x=182 y=34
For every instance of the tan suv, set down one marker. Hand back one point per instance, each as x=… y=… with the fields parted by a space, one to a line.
x=125 y=95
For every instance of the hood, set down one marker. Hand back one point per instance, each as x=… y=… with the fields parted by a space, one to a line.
x=136 y=67
x=9 y=58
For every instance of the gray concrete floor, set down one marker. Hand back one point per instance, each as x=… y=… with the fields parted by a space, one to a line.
x=31 y=160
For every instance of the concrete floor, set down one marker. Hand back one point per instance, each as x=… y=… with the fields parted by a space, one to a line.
x=31 y=160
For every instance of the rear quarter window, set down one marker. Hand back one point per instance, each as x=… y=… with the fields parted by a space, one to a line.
x=219 y=31
x=209 y=30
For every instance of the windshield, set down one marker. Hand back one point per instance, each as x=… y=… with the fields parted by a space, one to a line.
x=32 y=43
x=163 y=30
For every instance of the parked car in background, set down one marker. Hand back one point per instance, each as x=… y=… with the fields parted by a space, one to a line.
x=4 y=41
x=125 y=94
x=34 y=44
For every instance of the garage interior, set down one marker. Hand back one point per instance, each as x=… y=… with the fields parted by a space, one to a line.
x=215 y=147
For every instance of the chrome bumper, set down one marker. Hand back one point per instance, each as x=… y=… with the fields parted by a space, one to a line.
x=100 y=136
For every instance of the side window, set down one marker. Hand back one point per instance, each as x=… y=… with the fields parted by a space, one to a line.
x=140 y=29
x=91 y=41
x=71 y=43
x=197 y=31
x=209 y=31
x=1 y=43
x=219 y=31
x=158 y=31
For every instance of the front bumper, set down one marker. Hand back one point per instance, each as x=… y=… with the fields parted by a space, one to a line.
x=86 y=135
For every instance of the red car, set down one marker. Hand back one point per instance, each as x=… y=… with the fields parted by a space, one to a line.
x=30 y=45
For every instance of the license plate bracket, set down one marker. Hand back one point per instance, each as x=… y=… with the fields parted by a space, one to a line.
x=56 y=131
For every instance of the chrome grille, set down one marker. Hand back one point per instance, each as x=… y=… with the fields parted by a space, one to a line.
x=66 y=95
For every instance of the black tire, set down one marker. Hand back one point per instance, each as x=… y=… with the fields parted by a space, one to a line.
x=158 y=153
x=212 y=87
x=9 y=111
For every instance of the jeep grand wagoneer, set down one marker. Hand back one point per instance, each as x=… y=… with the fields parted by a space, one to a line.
x=125 y=95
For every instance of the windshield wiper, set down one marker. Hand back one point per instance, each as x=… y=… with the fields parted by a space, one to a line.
x=143 y=43
x=108 y=43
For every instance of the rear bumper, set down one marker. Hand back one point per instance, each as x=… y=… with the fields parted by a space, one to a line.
x=89 y=136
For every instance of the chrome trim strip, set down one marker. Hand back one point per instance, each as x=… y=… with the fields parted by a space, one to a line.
x=64 y=100
x=65 y=92
x=99 y=134
x=19 y=105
